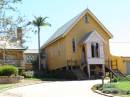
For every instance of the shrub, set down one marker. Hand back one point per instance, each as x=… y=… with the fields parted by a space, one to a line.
x=125 y=92
x=28 y=74
x=39 y=74
x=128 y=77
x=34 y=65
x=128 y=92
x=106 y=90
x=108 y=85
x=115 y=91
x=98 y=86
x=8 y=70
x=63 y=74
x=115 y=79
x=122 y=79
x=111 y=90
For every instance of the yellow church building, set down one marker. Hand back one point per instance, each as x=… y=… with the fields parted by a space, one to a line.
x=83 y=43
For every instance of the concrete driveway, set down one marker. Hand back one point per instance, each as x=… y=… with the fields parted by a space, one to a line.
x=55 y=89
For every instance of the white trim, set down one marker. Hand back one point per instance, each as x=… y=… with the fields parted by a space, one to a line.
x=95 y=38
x=96 y=61
x=89 y=73
x=94 y=32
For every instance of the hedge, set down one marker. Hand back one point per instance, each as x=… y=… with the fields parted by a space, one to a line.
x=8 y=70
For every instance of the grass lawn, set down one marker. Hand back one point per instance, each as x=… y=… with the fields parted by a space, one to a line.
x=120 y=88
x=4 y=87
x=123 y=85
x=126 y=96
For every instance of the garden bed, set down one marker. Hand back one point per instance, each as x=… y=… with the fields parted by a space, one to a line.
x=24 y=82
x=10 y=79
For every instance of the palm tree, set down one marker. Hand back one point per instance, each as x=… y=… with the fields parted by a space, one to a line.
x=39 y=22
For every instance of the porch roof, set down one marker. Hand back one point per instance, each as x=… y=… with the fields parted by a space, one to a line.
x=86 y=36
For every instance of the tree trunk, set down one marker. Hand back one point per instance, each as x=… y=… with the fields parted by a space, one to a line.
x=39 y=51
x=4 y=56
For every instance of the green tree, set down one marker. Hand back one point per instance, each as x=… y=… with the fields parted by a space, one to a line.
x=39 y=22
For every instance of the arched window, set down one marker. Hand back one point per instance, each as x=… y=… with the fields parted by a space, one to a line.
x=95 y=50
x=92 y=50
x=74 y=45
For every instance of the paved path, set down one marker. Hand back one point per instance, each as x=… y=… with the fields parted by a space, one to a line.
x=55 y=89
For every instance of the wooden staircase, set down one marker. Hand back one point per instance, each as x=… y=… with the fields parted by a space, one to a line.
x=112 y=67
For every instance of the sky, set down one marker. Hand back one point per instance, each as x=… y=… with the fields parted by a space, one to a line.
x=114 y=15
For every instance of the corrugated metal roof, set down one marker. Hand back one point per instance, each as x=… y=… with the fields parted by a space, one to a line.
x=10 y=43
x=31 y=51
x=85 y=37
x=62 y=30
x=66 y=27
x=6 y=45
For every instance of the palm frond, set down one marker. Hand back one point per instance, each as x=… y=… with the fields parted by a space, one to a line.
x=47 y=24
x=40 y=21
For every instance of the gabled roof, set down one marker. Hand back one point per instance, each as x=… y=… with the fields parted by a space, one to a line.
x=8 y=46
x=62 y=31
x=85 y=37
x=31 y=51
x=88 y=36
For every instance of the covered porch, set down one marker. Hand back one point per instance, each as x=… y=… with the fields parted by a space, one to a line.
x=93 y=58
